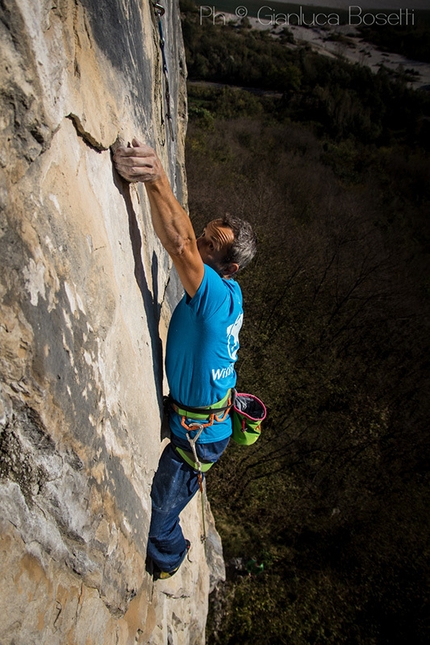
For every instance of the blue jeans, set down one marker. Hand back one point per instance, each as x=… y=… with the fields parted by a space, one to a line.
x=175 y=484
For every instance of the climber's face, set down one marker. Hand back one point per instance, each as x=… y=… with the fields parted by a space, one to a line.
x=214 y=244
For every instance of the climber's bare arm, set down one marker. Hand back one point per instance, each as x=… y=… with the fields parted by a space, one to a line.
x=171 y=223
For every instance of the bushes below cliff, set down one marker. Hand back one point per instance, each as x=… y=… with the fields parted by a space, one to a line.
x=339 y=99
x=330 y=164
x=335 y=340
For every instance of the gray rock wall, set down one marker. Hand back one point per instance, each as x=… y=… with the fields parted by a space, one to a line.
x=85 y=304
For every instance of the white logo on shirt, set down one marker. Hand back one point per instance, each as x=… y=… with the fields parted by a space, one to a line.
x=223 y=372
x=233 y=337
x=232 y=347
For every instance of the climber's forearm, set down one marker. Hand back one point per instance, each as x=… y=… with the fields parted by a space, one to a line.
x=173 y=227
x=139 y=163
x=171 y=223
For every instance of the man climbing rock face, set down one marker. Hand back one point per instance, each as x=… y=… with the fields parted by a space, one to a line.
x=201 y=351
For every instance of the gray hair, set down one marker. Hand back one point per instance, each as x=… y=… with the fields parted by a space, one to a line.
x=244 y=246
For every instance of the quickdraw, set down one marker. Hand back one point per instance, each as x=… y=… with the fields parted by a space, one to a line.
x=197 y=465
x=159 y=12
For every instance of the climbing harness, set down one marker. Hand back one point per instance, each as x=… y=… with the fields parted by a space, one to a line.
x=211 y=413
x=247 y=412
x=159 y=12
x=200 y=418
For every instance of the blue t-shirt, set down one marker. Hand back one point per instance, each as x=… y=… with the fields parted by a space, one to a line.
x=202 y=346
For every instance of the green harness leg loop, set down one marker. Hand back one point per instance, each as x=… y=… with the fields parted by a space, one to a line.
x=188 y=457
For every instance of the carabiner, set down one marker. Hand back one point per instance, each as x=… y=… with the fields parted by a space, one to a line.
x=159 y=9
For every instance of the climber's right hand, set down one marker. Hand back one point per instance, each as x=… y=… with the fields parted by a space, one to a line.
x=138 y=162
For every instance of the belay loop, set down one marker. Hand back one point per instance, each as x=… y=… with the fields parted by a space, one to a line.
x=159 y=12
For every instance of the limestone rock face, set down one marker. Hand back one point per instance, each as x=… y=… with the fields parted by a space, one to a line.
x=85 y=304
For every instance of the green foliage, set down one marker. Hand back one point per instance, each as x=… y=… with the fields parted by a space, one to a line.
x=237 y=56
x=330 y=164
x=202 y=116
x=332 y=498
x=341 y=100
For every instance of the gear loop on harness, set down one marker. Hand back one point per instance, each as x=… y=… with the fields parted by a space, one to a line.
x=206 y=415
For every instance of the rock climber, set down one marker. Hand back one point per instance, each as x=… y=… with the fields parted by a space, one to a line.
x=201 y=349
